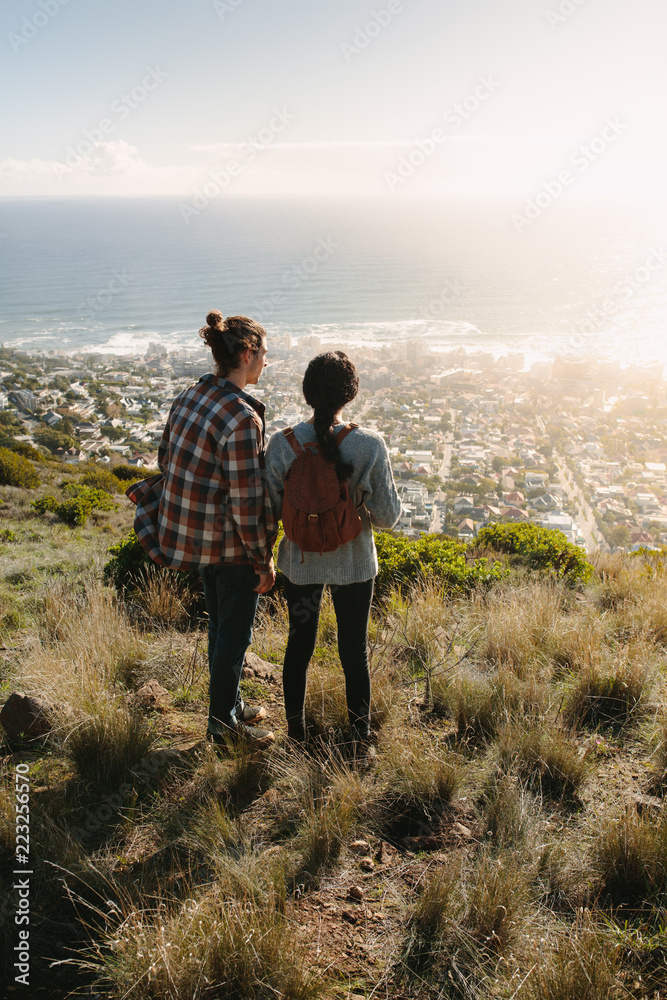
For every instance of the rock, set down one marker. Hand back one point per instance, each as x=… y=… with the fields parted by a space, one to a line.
x=349 y=916
x=356 y=892
x=462 y=831
x=255 y=666
x=367 y=865
x=153 y=697
x=23 y=715
x=360 y=848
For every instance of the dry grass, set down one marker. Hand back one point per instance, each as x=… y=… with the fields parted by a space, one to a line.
x=610 y=695
x=509 y=812
x=107 y=746
x=464 y=918
x=579 y=963
x=222 y=866
x=545 y=759
x=248 y=951
x=416 y=783
x=481 y=703
x=165 y=598
x=630 y=858
x=522 y=628
x=86 y=647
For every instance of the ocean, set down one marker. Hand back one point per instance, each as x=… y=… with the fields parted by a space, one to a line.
x=112 y=275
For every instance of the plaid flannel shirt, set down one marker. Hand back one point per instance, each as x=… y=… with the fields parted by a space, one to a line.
x=210 y=504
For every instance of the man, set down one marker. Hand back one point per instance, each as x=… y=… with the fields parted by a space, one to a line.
x=209 y=509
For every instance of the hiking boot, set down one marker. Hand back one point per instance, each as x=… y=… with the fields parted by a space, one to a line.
x=249 y=714
x=240 y=733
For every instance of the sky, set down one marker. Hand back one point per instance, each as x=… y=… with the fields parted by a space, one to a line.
x=392 y=99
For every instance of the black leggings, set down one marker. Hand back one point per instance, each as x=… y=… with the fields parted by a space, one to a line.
x=352 y=604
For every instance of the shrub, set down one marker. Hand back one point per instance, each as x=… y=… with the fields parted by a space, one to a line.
x=15 y=470
x=128 y=563
x=537 y=548
x=75 y=510
x=128 y=473
x=404 y=561
x=20 y=447
x=99 y=478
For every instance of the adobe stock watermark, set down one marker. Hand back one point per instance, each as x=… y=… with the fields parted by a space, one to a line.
x=449 y=293
x=31 y=26
x=219 y=180
x=224 y=7
x=454 y=117
x=295 y=276
x=119 y=281
x=581 y=159
x=366 y=33
x=566 y=8
x=120 y=109
x=596 y=317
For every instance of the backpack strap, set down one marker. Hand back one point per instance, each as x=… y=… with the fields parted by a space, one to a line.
x=291 y=437
x=345 y=431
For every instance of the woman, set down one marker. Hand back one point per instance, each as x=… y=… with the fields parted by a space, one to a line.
x=362 y=461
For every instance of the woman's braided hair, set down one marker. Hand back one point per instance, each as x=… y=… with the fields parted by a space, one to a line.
x=330 y=382
x=229 y=338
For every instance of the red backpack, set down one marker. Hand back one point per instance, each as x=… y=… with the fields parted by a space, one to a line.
x=318 y=514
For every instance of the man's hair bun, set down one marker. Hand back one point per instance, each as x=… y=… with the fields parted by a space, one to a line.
x=214 y=319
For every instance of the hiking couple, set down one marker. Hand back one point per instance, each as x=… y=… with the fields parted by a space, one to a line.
x=216 y=504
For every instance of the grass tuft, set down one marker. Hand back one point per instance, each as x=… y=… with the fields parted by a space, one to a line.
x=630 y=857
x=105 y=748
x=545 y=759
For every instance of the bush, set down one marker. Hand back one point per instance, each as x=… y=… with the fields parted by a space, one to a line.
x=128 y=564
x=128 y=473
x=99 y=478
x=20 y=447
x=537 y=548
x=404 y=561
x=15 y=470
x=79 y=504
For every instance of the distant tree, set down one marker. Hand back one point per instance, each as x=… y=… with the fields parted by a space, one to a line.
x=619 y=536
x=113 y=433
x=497 y=463
x=54 y=439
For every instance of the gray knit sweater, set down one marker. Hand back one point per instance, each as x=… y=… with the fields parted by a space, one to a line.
x=371 y=483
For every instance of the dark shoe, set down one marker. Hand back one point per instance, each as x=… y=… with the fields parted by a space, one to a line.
x=249 y=714
x=240 y=733
x=296 y=732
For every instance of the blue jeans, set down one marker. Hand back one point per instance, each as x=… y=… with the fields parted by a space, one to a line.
x=231 y=604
